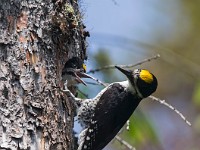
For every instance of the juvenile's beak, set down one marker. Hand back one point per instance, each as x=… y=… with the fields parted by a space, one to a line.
x=79 y=75
x=72 y=75
x=128 y=73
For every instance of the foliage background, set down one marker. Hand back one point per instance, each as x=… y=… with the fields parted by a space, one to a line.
x=125 y=32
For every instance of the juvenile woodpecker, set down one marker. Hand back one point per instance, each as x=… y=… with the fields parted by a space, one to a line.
x=103 y=116
x=73 y=71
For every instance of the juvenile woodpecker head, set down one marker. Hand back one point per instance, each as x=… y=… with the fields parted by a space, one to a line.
x=74 y=70
x=144 y=82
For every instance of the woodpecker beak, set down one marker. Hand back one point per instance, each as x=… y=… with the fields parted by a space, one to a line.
x=72 y=75
x=80 y=75
x=128 y=73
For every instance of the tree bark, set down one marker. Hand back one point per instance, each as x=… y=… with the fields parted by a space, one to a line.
x=36 y=39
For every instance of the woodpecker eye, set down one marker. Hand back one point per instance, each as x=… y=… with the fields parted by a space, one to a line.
x=146 y=76
x=146 y=82
x=137 y=71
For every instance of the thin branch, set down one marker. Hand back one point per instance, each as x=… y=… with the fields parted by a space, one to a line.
x=98 y=81
x=124 y=66
x=91 y=83
x=120 y=140
x=171 y=107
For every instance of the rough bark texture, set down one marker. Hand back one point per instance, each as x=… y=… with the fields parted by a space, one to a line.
x=37 y=37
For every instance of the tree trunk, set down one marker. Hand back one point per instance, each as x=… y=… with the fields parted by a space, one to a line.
x=36 y=40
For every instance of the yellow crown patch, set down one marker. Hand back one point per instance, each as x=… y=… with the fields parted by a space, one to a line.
x=84 y=67
x=146 y=76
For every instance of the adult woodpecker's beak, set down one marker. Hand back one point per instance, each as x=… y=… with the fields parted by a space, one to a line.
x=128 y=73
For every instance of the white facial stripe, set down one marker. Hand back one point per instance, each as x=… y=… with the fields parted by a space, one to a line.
x=137 y=71
x=136 y=88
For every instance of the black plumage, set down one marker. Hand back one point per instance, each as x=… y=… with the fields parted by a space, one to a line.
x=104 y=115
x=114 y=108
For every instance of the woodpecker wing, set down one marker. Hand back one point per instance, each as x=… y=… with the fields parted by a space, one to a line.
x=113 y=109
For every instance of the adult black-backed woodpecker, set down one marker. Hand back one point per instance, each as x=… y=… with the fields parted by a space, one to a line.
x=103 y=116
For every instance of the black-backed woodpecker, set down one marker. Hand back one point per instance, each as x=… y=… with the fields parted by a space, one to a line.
x=103 y=116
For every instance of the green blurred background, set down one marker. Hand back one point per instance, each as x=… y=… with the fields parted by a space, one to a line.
x=125 y=32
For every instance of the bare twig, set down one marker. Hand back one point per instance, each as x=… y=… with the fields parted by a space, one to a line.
x=171 y=107
x=91 y=83
x=98 y=81
x=123 y=142
x=124 y=66
x=120 y=140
